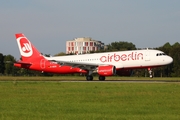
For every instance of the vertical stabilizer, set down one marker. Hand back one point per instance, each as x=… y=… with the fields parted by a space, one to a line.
x=28 y=52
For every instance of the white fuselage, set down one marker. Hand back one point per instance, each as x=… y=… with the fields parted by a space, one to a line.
x=121 y=59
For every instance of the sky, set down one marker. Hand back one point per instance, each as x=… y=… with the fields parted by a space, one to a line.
x=49 y=24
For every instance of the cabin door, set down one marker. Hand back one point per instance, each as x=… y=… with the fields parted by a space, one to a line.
x=147 y=56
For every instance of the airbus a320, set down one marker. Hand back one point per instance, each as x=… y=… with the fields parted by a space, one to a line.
x=104 y=64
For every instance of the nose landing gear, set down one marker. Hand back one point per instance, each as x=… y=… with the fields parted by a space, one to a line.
x=150 y=72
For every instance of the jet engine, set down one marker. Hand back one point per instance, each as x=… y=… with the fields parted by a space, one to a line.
x=106 y=70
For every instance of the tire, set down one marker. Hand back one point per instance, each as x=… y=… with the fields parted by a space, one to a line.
x=89 y=77
x=101 y=78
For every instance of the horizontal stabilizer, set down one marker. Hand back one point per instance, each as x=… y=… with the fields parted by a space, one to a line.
x=25 y=63
x=22 y=64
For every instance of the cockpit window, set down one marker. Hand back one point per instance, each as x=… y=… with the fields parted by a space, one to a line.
x=160 y=54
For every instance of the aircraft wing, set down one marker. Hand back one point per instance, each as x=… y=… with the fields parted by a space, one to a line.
x=82 y=65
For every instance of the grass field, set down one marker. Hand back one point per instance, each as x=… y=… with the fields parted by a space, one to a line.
x=79 y=78
x=39 y=100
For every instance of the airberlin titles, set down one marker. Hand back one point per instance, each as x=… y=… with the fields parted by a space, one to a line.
x=124 y=57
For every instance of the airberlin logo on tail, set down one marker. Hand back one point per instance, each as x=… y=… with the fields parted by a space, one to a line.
x=24 y=46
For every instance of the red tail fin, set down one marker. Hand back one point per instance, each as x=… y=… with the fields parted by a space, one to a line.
x=28 y=52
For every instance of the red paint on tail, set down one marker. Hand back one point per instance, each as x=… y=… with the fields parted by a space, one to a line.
x=33 y=60
x=28 y=52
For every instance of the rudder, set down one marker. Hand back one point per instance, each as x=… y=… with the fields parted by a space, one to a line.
x=28 y=52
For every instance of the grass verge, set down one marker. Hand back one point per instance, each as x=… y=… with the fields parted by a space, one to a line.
x=83 y=78
x=89 y=101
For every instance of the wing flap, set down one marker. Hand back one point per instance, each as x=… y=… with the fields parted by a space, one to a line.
x=82 y=65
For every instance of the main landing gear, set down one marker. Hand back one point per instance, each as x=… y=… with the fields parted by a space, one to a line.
x=89 y=77
x=101 y=78
x=150 y=72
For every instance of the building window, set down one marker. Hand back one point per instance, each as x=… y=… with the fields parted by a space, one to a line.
x=91 y=43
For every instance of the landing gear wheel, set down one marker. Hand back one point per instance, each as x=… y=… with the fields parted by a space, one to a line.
x=89 y=77
x=151 y=76
x=101 y=78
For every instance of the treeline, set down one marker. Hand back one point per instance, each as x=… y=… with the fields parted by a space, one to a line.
x=172 y=70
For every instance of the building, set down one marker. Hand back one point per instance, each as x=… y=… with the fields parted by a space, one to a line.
x=83 y=45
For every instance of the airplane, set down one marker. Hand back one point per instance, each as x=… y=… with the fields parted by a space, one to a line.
x=104 y=64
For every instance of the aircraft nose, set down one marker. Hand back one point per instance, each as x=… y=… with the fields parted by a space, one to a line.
x=169 y=60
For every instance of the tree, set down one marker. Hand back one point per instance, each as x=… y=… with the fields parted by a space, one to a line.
x=9 y=68
x=121 y=46
x=1 y=63
x=166 y=48
x=60 y=54
x=175 y=53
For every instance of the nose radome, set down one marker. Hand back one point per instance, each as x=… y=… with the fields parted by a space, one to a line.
x=170 y=59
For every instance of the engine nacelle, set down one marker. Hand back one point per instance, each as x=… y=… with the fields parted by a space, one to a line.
x=106 y=70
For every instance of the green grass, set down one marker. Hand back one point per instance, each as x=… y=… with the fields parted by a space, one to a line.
x=79 y=78
x=89 y=101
